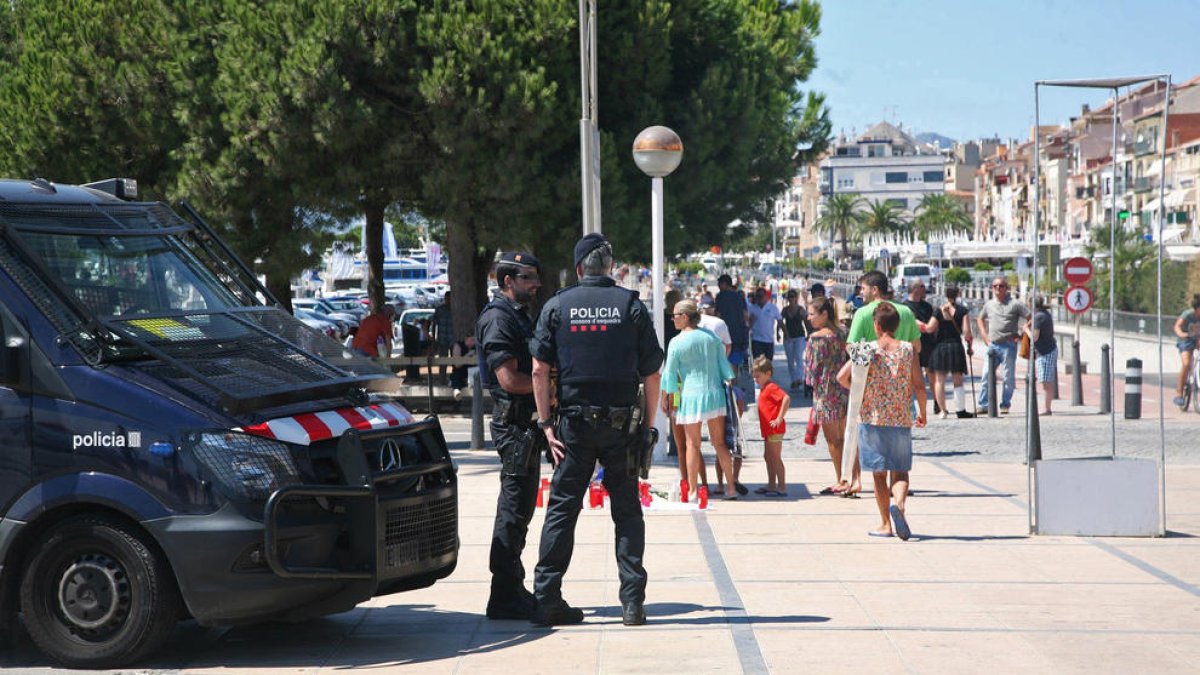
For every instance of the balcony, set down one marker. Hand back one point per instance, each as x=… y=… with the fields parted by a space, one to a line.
x=1144 y=148
x=1143 y=184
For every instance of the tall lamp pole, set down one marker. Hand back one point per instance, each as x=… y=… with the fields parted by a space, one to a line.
x=657 y=152
x=589 y=134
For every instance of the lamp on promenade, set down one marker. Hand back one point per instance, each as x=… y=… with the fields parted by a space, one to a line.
x=657 y=152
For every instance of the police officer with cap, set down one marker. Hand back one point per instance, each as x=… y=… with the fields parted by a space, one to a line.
x=602 y=341
x=502 y=337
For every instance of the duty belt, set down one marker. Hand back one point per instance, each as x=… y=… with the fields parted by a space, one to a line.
x=625 y=418
x=507 y=411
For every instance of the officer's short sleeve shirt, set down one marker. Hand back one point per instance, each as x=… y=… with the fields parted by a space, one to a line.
x=504 y=335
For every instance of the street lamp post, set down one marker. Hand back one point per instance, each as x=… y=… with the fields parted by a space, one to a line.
x=657 y=152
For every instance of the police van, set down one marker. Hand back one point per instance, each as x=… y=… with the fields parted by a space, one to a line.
x=173 y=445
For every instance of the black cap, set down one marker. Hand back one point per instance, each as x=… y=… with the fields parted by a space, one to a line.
x=520 y=258
x=817 y=288
x=589 y=243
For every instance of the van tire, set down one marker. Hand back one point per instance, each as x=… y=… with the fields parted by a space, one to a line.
x=95 y=594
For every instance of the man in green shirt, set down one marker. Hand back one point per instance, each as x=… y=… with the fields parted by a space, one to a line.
x=874 y=288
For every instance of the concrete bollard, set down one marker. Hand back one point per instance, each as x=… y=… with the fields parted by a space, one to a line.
x=990 y=383
x=1133 y=389
x=1076 y=375
x=1105 y=381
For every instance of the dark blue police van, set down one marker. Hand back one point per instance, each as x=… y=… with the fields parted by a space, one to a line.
x=173 y=445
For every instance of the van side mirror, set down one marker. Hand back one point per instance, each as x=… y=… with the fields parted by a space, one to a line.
x=13 y=361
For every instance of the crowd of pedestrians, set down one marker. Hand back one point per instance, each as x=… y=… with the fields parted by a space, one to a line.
x=723 y=347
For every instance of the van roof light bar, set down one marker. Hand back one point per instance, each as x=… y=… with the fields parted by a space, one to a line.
x=121 y=188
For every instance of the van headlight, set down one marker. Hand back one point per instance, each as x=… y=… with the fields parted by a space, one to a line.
x=245 y=466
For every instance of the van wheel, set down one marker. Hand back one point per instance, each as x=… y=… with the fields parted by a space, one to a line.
x=95 y=595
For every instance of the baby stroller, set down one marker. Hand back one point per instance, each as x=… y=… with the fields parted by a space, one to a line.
x=735 y=404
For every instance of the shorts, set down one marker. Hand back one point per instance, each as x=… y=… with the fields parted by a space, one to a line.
x=1047 y=366
x=1185 y=345
x=774 y=438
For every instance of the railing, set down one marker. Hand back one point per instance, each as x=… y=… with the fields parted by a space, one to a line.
x=1127 y=323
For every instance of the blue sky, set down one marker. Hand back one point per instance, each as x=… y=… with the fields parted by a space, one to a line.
x=966 y=68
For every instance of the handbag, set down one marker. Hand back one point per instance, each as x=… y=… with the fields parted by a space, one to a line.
x=1023 y=348
x=810 y=433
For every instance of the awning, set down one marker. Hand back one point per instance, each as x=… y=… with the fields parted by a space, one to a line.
x=1177 y=198
x=1170 y=234
x=1151 y=205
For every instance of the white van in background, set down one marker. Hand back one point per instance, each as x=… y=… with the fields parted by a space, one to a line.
x=906 y=274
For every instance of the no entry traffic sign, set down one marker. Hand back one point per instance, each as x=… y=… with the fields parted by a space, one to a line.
x=1078 y=299
x=1077 y=271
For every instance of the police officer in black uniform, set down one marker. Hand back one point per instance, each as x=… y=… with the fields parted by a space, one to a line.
x=502 y=337
x=601 y=339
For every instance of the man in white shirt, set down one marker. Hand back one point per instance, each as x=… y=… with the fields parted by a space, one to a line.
x=764 y=318
x=714 y=324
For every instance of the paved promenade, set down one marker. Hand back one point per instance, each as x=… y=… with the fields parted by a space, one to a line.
x=791 y=585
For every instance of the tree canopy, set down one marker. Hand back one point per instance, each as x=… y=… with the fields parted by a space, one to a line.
x=281 y=117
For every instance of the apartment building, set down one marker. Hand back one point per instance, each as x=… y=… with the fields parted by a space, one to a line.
x=883 y=164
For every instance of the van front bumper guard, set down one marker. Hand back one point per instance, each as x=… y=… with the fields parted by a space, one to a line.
x=419 y=533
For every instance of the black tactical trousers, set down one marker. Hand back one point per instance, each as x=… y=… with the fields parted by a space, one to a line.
x=586 y=444
x=514 y=510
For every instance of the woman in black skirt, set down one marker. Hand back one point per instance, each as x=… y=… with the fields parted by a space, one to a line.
x=948 y=356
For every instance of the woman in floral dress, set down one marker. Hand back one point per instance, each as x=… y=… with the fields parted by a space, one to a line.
x=823 y=358
x=885 y=429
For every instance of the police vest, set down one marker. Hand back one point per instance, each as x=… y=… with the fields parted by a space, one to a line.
x=597 y=339
x=507 y=312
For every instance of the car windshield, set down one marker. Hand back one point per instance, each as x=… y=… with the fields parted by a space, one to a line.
x=916 y=271
x=116 y=276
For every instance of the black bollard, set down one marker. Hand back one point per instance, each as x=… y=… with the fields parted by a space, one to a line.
x=1105 y=381
x=990 y=383
x=1076 y=375
x=476 y=411
x=1133 y=389
x=1034 y=439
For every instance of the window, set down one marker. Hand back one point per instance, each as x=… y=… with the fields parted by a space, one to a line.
x=845 y=181
x=916 y=178
x=935 y=176
x=848 y=152
x=875 y=150
x=897 y=177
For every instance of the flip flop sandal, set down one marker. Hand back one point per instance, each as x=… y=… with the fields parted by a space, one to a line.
x=899 y=523
x=850 y=495
x=873 y=533
x=760 y=491
x=831 y=490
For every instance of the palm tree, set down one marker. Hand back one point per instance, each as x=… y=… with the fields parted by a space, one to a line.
x=1135 y=263
x=882 y=217
x=941 y=213
x=843 y=213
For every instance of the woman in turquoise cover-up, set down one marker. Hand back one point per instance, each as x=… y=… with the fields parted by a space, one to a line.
x=697 y=369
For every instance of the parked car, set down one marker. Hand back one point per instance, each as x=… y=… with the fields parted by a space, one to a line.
x=413 y=296
x=328 y=326
x=408 y=323
x=347 y=303
x=322 y=307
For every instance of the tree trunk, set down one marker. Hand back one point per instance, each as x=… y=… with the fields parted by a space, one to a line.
x=467 y=290
x=373 y=211
x=280 y=286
